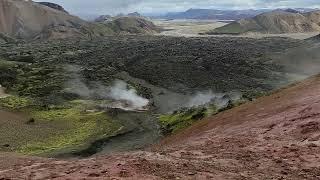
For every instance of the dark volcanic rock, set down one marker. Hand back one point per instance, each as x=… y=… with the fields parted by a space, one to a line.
x=178 y=64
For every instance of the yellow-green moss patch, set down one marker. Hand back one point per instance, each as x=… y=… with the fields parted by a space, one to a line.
x=56 y=128
x=83 y=128
x=15 y=102
x=172 y=123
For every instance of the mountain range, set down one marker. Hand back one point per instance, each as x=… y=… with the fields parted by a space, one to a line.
x=206 y=14
x=274 y=22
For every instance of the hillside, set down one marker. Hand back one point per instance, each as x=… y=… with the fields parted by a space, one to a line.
x=29 y=20
x=275 y=137
x=132 y=25
x=275 y=22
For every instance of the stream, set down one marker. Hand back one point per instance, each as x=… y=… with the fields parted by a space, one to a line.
x=140 y=130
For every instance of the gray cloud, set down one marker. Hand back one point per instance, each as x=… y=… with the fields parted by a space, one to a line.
x=157 y=6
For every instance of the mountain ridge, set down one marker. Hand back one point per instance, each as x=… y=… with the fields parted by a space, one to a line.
x=275 y=22
x=216 y=14
x=54 y=6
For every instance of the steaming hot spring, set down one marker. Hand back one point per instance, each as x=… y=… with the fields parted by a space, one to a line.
x=119 y=95
x=126 y=98
x=2 y=92
x=125 y=105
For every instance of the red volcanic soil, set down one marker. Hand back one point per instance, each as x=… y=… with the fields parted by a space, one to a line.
x=275 y=137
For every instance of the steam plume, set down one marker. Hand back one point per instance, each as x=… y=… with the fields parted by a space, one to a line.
x=119 y=93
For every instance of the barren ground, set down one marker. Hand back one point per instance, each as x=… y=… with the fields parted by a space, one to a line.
x=275 y=137
x=187 y=28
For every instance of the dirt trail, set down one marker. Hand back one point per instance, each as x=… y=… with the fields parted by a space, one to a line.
x=275 y=137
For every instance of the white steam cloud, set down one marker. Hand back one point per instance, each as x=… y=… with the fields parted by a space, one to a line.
x=2 y=92
x=168 y=102
x=120 y=94
x=201 y=98
x=120 y=91
x=218 y=99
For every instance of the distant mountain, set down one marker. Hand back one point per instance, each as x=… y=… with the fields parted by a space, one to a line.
x=132 y=23
x=134 y=14
x=104 y=18
x=54 y=6
x=275 y=22
x=207 y=14
x=289 y=10
x=214 y=14
x=305 y=10
x=129 y=25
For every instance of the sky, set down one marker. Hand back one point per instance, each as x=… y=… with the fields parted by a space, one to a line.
x=113 y=7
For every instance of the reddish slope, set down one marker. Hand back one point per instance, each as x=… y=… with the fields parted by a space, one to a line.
x=276 y=137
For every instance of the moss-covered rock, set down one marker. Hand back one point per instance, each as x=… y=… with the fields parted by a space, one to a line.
x=178 y=120
x=8 y=73
x=15 y=102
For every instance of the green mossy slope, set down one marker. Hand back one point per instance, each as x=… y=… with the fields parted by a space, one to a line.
x=65 y=128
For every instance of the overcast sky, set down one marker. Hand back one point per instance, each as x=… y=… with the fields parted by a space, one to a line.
x=162 y=6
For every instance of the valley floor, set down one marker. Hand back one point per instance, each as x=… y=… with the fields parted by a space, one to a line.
x=197 y=28
x=61 y=86
x=274 y=137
